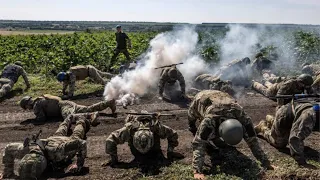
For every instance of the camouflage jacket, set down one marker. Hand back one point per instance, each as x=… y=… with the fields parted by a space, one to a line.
x=47 y=106
x=132 y=125
x=288 y=87
x=211 y=108
x=164 y=78
x=75 y=73
x=13 y=72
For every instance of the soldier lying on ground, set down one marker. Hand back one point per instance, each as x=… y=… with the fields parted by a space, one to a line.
x=208 y=81
x=311 y=69
x=10 y=76
x=261 y=63
x=218 y=110
x=80 y=72
x=47 y=106
x=143 y=134
x=169 y=76
x=288 y=87
x=291 y=125
x=36 y=155
x=236 y=72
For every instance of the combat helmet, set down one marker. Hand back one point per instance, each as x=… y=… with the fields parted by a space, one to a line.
x=306 y=79
x=143 y=139
x=61 y=76
x=25 y=101
x=231 y=131
x=32 y=165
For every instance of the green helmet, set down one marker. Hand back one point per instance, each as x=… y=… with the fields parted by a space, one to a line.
x=32 y=165
x=143 y=140
x=306 y=79
x=25 y=101
x=231 y=131
x=173 y=73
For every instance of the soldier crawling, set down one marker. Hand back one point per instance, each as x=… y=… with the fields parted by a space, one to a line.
x=77 y=73
x=143 y=134
x=208 y=81
x=288 y=87
x=218 y=110
x=56 y=150
x=10 y=76
x=236 y=72
x=169 y=76
x=48 y=106
x=292 y=123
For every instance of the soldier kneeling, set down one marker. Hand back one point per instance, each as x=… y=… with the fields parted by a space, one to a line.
x=56 y=150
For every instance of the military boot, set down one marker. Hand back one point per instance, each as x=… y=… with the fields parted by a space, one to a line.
x=261 y=127
x=94 y=119
x=269 y=120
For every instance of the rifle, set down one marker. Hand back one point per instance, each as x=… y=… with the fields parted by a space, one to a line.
x=167 y=66
x=34 y=140
x=295 y=96
x=150 y=114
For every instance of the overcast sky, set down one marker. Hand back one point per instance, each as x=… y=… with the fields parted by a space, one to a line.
x=191 y=11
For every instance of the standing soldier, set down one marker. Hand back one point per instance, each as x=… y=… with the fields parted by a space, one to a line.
x=169 y=76
x=122 y=40
x=10 y=76
x=47 y=106
x=288 y=87
x=143 y=134
x=292 y=123
x=236 y=72
x=57 y=150
x=77 y=73
x=218 y=110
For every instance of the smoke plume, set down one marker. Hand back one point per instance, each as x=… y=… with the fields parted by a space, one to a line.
x=167 y=48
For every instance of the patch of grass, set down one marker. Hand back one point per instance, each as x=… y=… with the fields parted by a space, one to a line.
x=42 y=85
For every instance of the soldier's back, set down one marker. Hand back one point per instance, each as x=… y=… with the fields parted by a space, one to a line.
x=214 y=98
x=50 y=104
x=81 y=72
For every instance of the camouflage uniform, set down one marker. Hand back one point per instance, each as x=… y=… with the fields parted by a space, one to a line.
x=208 y=81
x=132 y=125
x=80 y=73
x=291 y=125
x=235 y=71
x=52 y=106
x=289 y=87
x=10 y=76
x=212 y=107
x=58 y=149
x=261 y=63
x=121 y=39
x=165 y=79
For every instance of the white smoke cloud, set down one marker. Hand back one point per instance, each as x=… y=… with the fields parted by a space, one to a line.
x=166 y=48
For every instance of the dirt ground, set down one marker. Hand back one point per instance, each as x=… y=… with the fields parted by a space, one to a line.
x=15 y=126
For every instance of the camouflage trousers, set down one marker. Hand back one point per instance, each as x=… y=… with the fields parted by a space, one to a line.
x=69 y=107
x=266 y=91
x=98 y=75
x=61 y=148
x=5 y=86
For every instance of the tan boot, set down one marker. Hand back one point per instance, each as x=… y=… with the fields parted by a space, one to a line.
x=94 y=119
x=261 y=127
